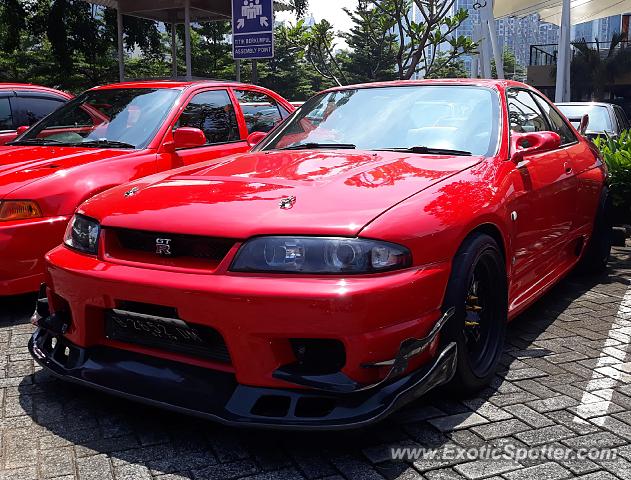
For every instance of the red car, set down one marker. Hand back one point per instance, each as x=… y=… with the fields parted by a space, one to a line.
x=107 y=136
x=371 y=248
x=23 y=104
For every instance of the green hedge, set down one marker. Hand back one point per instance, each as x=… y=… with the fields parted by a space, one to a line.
x=617 y=155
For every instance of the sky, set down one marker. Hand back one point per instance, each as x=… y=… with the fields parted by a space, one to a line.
x=331 y=10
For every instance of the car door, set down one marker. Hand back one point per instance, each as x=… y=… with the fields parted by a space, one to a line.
x=7 y=124
x=213 y=112
x=583 y=162
x=543 y=205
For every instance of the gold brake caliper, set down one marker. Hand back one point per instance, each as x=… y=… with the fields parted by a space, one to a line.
x=472 y=306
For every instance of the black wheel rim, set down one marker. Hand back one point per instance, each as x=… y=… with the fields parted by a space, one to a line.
x=482 y=317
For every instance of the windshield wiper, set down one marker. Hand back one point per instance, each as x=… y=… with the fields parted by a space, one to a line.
x=427 y=151
x=104 y=143
x=314 y=145
x=36 y=141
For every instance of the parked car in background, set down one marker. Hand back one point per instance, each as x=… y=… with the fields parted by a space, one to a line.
x=604 y=118
x=23 y=104
x=369 y=249
x=107 y=136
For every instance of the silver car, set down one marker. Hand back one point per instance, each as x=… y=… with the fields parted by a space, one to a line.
x=604 y=118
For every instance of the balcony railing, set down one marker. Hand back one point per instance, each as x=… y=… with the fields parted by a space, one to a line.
x=546 y=54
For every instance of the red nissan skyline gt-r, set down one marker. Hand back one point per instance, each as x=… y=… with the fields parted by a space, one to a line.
x=371 y=248
x=108 y=136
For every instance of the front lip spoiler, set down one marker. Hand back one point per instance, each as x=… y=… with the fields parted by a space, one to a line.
x=217 y=396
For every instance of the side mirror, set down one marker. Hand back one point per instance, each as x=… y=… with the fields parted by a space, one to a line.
x=188 y=137
x=255 y=138
x=22 y=129
x=525 y=144
x=582 y=128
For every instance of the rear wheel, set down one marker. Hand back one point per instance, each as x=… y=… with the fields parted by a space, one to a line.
x=477 y=290
x=596 y=256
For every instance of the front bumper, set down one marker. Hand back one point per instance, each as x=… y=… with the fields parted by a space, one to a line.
x=23 y=245
x=217 y=395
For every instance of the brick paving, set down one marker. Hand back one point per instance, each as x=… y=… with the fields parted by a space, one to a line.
x=565 y=380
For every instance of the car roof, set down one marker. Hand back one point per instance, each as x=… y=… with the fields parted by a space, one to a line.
x=585 y=104
x=32 y=87
x=173 y=84
x=472 y=82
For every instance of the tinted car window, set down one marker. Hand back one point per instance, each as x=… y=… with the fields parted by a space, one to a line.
x=213 y=113
x=524 y=113
x=558 y=124
x=261 y=111
x=33 y=109
x=6 y=119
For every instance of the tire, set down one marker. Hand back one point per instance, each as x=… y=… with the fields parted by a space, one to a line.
x=598 y=251
x=477 y=289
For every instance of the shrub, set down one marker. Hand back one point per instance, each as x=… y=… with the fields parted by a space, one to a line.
x=617 y=155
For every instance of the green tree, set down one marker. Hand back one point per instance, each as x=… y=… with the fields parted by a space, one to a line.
x=512 y=69
x=373 y=45
x=419 y=40
x=454 y=68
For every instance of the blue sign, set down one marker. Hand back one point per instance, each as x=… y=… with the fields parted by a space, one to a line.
x=252 y=29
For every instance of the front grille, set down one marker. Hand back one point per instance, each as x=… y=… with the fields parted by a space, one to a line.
x=167 y=248
x=160 y=327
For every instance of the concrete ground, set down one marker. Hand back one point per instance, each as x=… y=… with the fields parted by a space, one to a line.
x=565 y=381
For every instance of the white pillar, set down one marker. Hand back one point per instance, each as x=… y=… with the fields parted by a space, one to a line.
x=187 y=38
x=490 y=43
x=562 y=93
x=475 y=59
x=121 y=47
x=174 y=50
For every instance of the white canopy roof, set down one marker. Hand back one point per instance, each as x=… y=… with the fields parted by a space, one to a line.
x=550 y=10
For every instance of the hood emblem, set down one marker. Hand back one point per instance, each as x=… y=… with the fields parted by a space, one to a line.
x=287 y=202
x=131 y=193
x=163 y=247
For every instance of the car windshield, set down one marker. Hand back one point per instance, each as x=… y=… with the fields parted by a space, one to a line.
x=417 y=118
x=599 y=119
x=108 y=118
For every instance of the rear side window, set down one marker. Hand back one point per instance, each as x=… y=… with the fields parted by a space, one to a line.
x=623 y=121
x=6 y=119
x=262 y=113
x=32 y=109
x=557 y=123
x=213 y=113
x=524 y=114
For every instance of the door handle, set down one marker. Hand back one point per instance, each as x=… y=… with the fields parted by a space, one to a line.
x=568 y=168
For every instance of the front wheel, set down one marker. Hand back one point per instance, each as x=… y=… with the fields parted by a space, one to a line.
x=478 y=291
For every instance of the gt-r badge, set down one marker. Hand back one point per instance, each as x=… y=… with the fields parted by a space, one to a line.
x=163 y=246
x=287 y=202
x=132 y=192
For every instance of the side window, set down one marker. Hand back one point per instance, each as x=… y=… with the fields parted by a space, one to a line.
x=6 y=118
x=558 y=124
x=213 y=113
x=262 y=113
x=623 y=121
x=524 y=114
x=32 y=109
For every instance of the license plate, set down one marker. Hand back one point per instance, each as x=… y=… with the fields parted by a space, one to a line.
x=151 y=331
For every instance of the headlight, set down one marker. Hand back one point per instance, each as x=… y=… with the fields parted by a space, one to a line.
x=83 y=234
x=18 y=210
x=319 y=255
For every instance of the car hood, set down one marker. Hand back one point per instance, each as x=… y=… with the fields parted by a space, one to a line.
x=21 y=165
x=324 y=192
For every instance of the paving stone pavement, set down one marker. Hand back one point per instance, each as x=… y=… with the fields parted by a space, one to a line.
x=565 y=381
